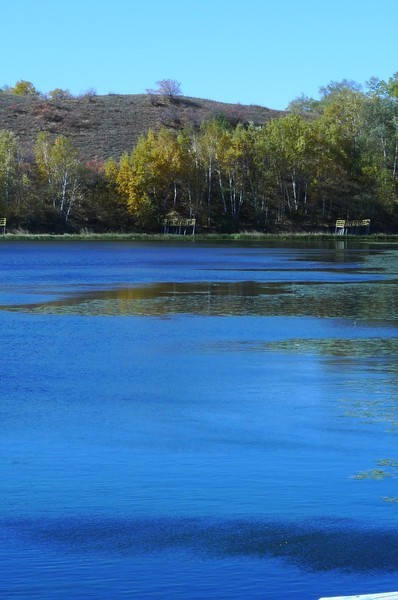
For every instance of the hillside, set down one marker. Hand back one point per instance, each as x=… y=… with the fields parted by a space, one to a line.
x=105 y=126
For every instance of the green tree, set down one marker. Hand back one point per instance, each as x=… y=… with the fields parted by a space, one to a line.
x=24 y=88
x=232 y=164
x=191 y=173
x=15 y=183
x=289 y=143
x=338 y=88
x=213 y=142
x=392 y=85
x=9 y=167
x=304 y=104
x=340 y=127
x=59 y=168
x=59 y=94
x=258 y=177
x=379 y=141
x=101 y=208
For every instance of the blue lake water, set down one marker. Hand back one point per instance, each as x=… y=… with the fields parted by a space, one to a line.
x=198 y=421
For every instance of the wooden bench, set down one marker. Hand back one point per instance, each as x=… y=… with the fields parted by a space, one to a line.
x=340 y=227
x=357 y=226
x=178 y=225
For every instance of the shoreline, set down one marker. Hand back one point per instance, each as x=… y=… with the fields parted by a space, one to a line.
x=208 y=237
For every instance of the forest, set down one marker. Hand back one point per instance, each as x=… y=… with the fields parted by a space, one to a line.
x=330 y=158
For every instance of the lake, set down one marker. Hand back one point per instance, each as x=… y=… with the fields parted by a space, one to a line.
x=187 y=421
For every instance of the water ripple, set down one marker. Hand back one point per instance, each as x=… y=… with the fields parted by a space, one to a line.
x=324 y=546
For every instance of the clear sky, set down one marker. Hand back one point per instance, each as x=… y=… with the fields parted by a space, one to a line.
x=264 y=52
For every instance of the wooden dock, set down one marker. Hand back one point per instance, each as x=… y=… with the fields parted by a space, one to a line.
x=385 y=596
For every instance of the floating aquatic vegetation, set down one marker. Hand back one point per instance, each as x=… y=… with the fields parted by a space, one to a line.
x=374 y=411
x=387 y=462
x=380 y=474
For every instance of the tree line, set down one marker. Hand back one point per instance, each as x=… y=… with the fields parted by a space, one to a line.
x=335 y=157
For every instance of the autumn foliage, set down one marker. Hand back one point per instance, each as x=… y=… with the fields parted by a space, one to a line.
x=336 y=157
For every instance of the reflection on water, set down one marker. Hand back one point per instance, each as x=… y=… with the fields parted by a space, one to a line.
x=360 y=347
x=371 y=301
x=163 y=299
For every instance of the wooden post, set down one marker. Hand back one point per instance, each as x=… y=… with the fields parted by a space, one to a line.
x=3 y=223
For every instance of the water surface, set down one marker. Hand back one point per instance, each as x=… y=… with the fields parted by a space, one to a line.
x=198 y=421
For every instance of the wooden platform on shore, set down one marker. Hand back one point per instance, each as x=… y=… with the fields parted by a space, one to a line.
x=385 y=596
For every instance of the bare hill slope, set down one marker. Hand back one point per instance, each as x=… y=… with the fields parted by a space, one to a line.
x=105 y=126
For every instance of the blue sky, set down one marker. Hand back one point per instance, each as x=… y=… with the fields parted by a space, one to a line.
x=251 y=51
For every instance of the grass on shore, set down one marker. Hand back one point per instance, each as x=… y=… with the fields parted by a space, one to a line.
x=207 y=237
